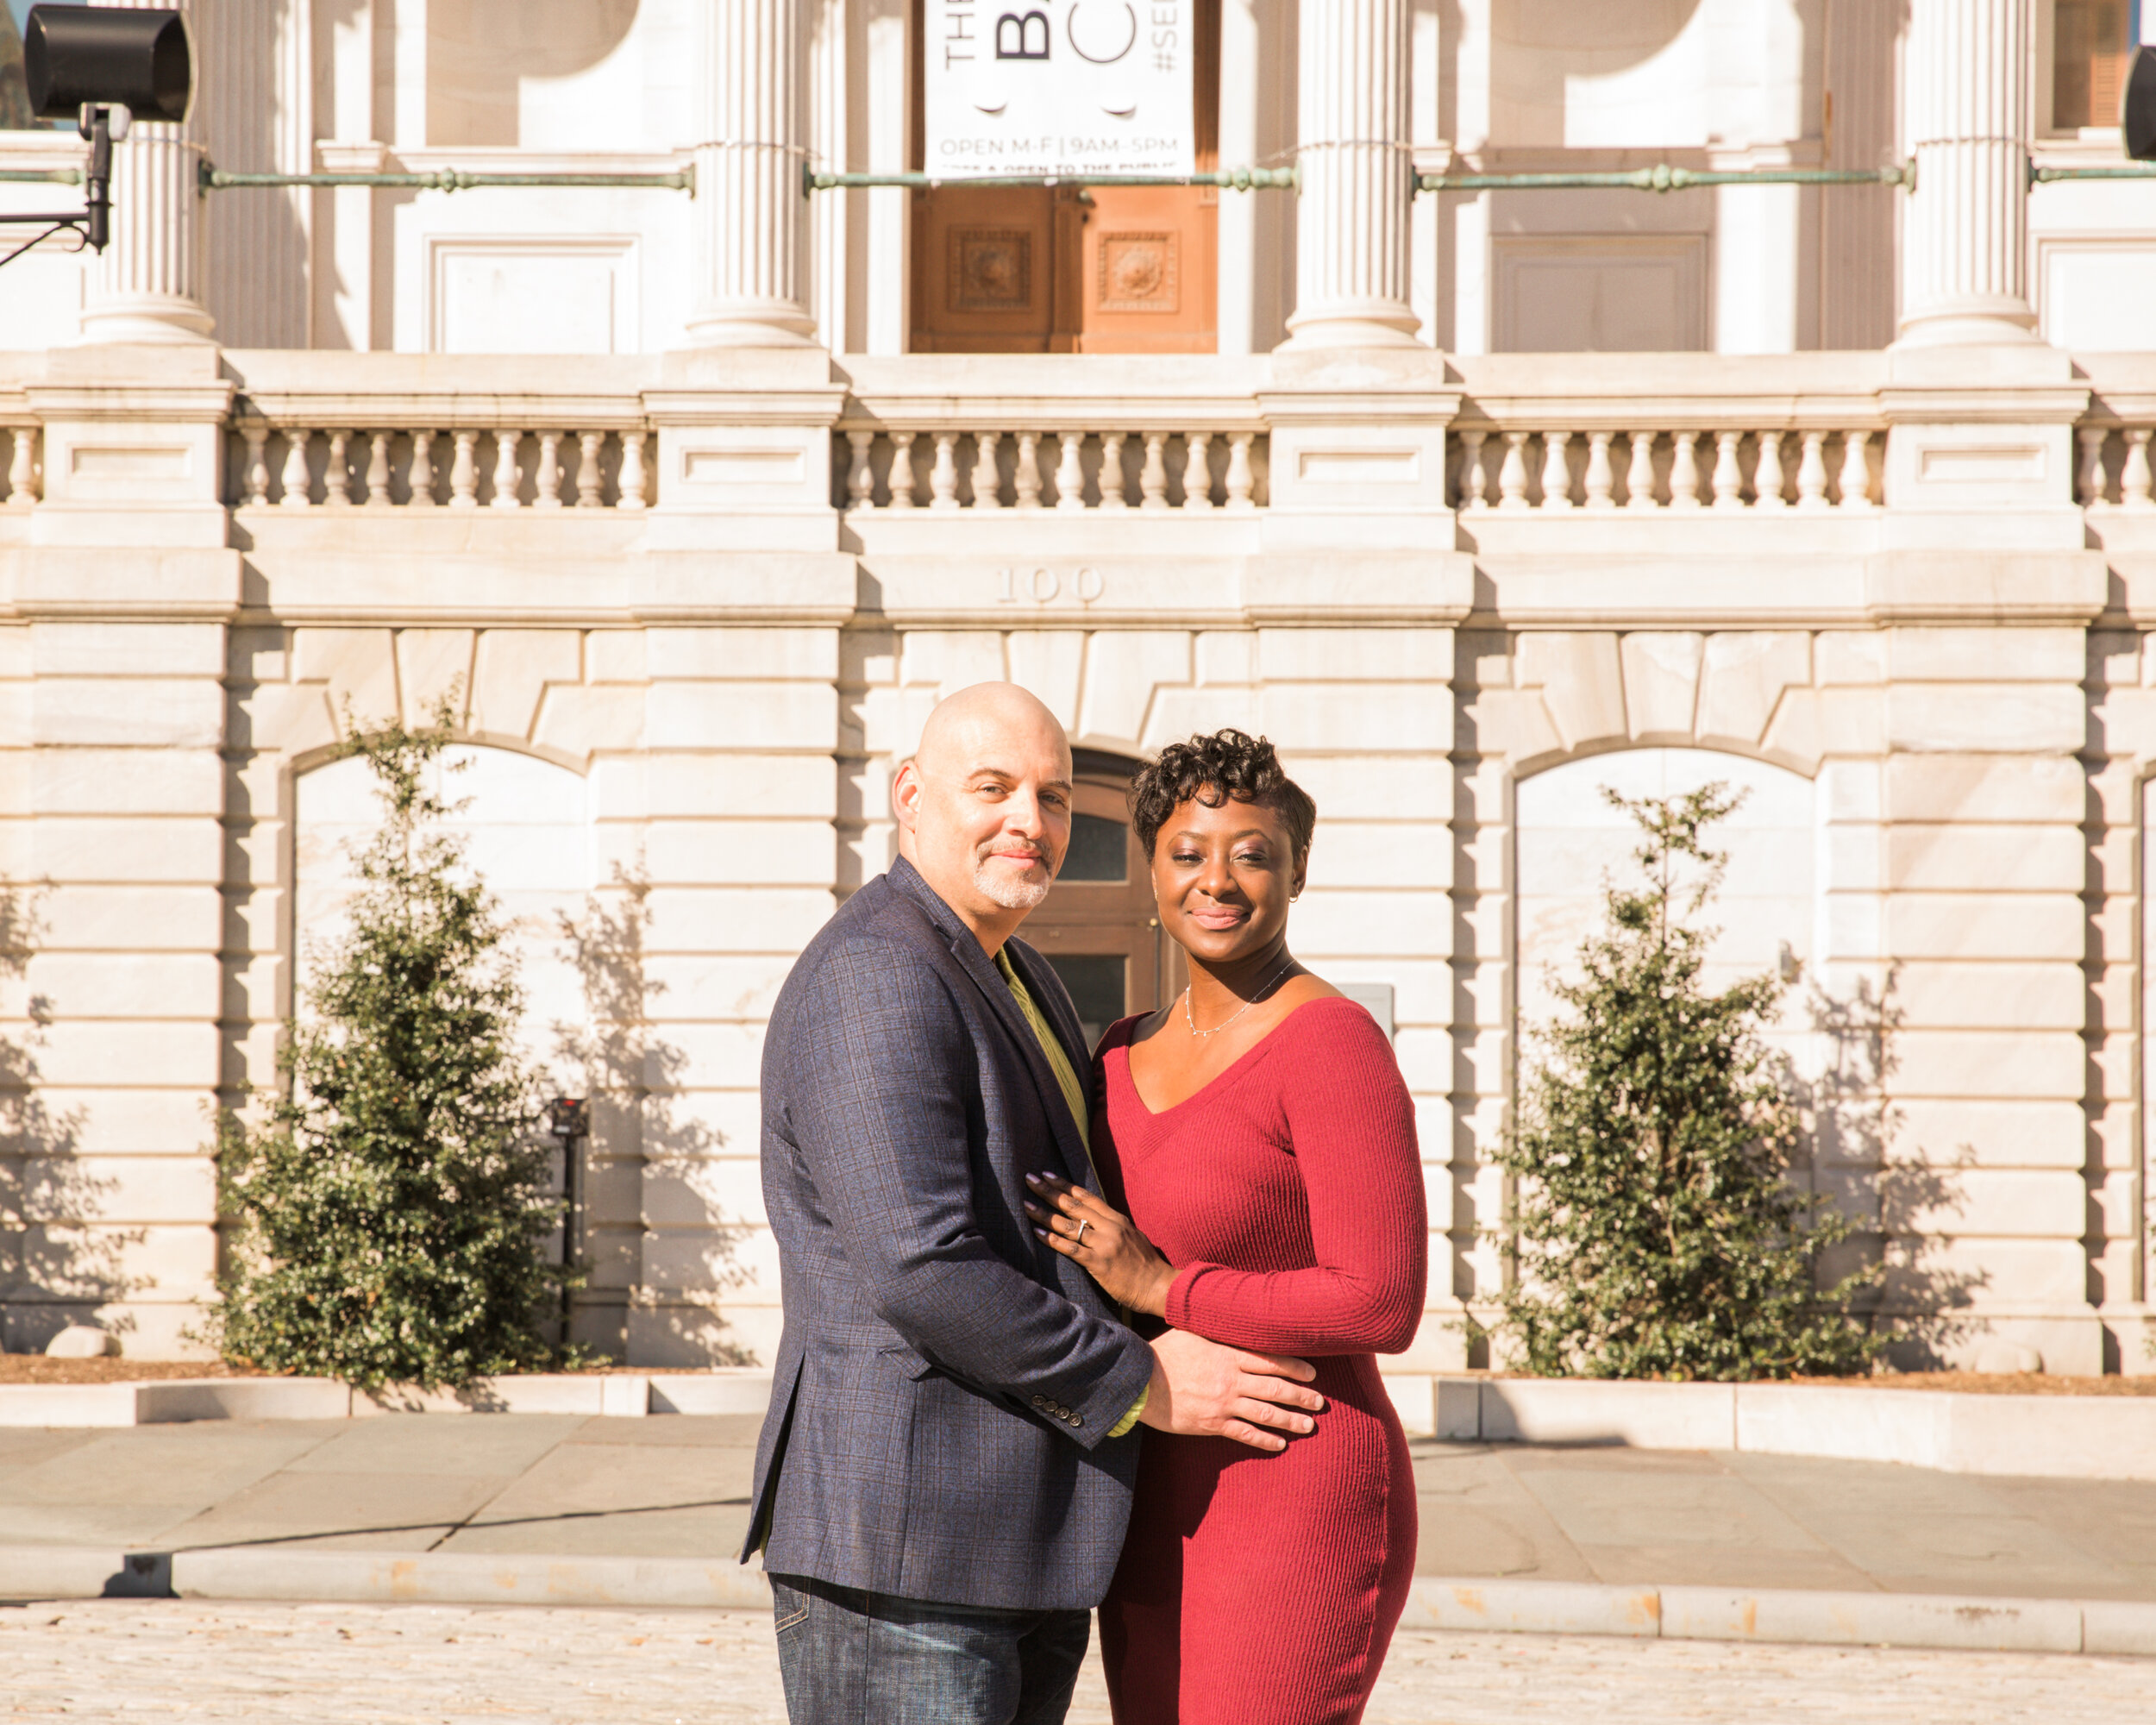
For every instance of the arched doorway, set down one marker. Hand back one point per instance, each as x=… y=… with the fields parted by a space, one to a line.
x=1098 y=927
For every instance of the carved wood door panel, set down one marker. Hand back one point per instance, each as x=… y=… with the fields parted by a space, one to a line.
x=1110 y=269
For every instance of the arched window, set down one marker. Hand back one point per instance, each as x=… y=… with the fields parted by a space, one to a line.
x=529 y=840
x=1570 y=841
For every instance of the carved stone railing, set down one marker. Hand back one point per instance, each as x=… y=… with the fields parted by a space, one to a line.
x=1650 y=468
x=282 y=465
x=393 y=431
x=1677 y=433
x=18 y=462
x=1100 y=433
x=1535 y=437
x=2114 y=447
x=983 y=469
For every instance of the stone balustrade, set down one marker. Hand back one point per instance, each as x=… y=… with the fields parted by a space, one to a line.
x=941 y=467
x=1535 y=437
x=18 y=463
x=1502 y=465
x=282 y=465
x=2112 y=471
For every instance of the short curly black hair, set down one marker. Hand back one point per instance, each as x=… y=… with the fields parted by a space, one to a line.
x=1229 y=764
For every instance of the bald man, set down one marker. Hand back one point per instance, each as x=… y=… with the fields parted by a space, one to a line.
x=943 y=1479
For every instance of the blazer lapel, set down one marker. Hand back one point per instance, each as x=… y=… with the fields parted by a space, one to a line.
x=982 y=972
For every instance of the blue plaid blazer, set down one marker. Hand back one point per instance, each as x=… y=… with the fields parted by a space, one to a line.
x=945 y=1383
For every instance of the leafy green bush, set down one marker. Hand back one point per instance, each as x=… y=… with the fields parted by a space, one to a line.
x=384 y=1216
x=1657 y=1230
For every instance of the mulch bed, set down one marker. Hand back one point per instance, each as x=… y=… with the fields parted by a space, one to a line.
x=30 y=1368
x=1968 y=1383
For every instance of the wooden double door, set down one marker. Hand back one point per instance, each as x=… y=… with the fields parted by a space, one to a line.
x=1109 y=269
x=1098 y=927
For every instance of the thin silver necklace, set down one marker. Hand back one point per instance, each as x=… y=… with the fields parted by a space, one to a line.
x=1246 y=1005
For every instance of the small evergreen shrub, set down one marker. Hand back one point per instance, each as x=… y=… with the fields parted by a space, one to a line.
x=1657 y=1231
x=384 y=1216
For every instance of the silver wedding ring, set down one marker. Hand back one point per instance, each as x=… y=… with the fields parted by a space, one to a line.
x=1080 y=1238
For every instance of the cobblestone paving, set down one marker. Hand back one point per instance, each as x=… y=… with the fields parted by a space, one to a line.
x=447 y=1666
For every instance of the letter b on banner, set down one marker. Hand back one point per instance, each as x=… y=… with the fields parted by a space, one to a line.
x=1022 y=38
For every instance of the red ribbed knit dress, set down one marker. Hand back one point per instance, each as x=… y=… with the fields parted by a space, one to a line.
x=1256 y=1589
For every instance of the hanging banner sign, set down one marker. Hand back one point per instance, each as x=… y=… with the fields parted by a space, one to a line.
x=1058 y=86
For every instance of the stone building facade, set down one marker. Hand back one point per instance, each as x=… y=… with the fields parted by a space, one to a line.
x=688 y=506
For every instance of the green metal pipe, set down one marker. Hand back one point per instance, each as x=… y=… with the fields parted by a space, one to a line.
x=1237 y=180
x=2136 y=171
x=449 y=180
x=1664 y=178
x=1660 y=178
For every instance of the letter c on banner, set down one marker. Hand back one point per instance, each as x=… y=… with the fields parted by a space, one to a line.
x=1070 y=28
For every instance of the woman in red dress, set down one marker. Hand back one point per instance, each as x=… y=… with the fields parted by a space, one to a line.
x=1258 y=1150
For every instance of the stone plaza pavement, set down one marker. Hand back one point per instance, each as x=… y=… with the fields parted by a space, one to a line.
x=265 y=1665
x=674 y=1487
x=677 y=1486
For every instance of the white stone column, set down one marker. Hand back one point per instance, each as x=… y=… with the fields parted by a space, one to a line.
x=1966 y=237
x=751 y=287
x=830 y=216
x=1351 y=226
x=148 y=285
x=258 y=116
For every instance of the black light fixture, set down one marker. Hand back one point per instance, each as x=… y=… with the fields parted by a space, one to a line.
x=79 y=57
x=2137 y=106
x=102 y=66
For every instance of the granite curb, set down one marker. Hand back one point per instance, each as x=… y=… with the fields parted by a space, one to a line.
x=1972 y=1624
x=2058 y=1437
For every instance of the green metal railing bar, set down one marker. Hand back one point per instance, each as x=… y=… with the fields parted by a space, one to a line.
x=1660 y=178
x=2135 y=170
x=1237 y=180
x=1664 y=178
x=448 y=180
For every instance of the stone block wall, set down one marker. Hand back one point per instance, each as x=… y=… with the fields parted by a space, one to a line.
x=1965 y=982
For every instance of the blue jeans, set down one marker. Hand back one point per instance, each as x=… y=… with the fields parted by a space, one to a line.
x=849 y=1656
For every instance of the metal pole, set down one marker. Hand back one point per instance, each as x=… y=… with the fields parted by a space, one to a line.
x=1235 y=179
x=1661 y=178
x=449 y=180
x=2137 y=170
x=1664 y=178
x=570 y=1121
